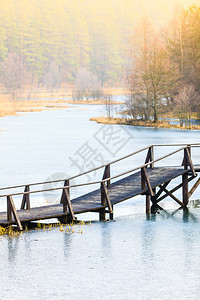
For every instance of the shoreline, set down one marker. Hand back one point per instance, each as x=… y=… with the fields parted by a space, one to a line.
x=44 y=100
x=140 y=123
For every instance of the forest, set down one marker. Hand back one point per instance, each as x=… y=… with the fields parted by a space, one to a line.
x=153 y=49
x=46 y=44
x=164 y=71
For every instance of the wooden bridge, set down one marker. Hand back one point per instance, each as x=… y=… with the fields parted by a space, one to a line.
x=147 y=179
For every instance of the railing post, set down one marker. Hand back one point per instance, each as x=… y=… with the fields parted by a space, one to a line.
x=189 y=150
x=65 y=195
x=67 y=206
x=185 y=193
x=26 y=198
x=9 y=210
x=145 y=179
x=66 y=183
x=150 y=156
x=106 y=174
x=102 y=215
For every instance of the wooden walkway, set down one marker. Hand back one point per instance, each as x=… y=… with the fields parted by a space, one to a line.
x=146 y=179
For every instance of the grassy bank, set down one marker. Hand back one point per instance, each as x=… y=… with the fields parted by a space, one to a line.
x=8 y=107
x=160 y=124
x=37 y=100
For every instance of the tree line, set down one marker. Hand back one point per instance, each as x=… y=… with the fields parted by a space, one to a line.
x=47 y=43
x=164 y=71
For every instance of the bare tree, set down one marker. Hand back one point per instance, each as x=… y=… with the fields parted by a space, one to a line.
x=12 y=74
x=150 y=72
x=109 y=106
x=138 y=106
x=187 y=102
x=87 y=86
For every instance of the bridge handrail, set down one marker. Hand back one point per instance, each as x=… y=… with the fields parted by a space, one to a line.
x=100 y=181
x=80 y=174
x=177 y=145
x=100 y=167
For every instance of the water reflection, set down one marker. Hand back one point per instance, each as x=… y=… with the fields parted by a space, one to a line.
x=106 y=232
x=187 y=215
x=13 y=245
x=195 y=203
x=67 y=244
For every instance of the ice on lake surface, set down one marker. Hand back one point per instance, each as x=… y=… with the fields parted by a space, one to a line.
x=130 y=258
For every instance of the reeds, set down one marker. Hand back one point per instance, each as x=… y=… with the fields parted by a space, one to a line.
x=71 y=228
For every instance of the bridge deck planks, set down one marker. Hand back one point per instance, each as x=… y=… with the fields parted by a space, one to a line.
x=120 y=190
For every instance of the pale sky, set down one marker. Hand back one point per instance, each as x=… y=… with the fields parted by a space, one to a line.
x=161 y=11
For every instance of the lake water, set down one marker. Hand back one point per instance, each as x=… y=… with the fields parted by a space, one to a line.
x=132 y=257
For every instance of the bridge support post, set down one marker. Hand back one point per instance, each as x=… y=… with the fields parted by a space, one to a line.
x=111 y=214
x=67 y=206
x=153 y=198
x=11 y=210
x=185 y=192
x=104 y=195
x=147 y=203
x=102 y=215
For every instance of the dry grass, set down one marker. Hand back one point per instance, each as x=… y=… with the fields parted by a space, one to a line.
x=61 y=93
x=159 y=124
x=38 y=105
x=7 y=107
x=71 y=228
x=116 y=91
x=92 y=102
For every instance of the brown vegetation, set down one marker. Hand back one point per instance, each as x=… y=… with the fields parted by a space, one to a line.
x=143 y=123
x=8 y=107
